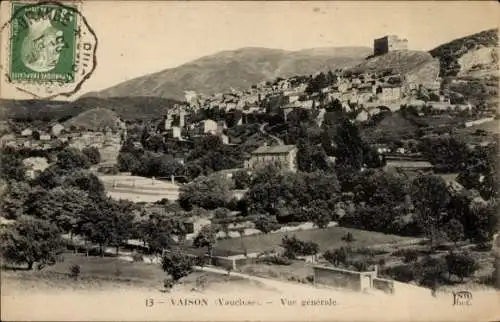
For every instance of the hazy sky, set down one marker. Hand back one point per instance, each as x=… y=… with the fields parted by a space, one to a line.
x=140 y=37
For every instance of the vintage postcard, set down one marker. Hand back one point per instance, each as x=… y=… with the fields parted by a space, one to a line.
x=249 y=161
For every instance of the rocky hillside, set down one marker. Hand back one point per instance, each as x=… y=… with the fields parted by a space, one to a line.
x=469 y=66
x=473 y=55
x=238 y=69
x=416 y=66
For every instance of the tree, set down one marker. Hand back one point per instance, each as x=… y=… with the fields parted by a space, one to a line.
x=11 y=167
x=482 y=222
x=61 y=206
x=177 y=265
x=128 y=162
x=49 y=178
x=266 y=223
x=156 y=231
x=318 y=212
x=158 y=165
x=206 y=238
x=430 y=196
x=349 y=150
x=71 y=158
x=448 y=153
x=241 y=179
x=311 y=157
x=13 y=201
x=454 y=230
x=338 y=256
x=294 y=247
x=222 y=215
x=86 y=181
x=30 y=240
x=348 y=238
x=461 y=264
x=107 y=222
x=206 y=192
x=93 y=155
x=432 y=272
x=154 y=143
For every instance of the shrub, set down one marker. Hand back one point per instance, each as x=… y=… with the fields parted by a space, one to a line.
x=266 y=223
x=200 y=260
x=337 y=256
x=310 y=278
x=294 y=247
x=360 y=265
x=432 y=271
x=410 y=256
x=369 y=251
x=177 y=265
x=74 y=271
x=168 y=283
x=402 y=273
x=461 y=264
x=348 y=238
x=277 y=260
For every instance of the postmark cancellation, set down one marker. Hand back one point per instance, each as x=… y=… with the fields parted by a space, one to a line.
x=51 y=49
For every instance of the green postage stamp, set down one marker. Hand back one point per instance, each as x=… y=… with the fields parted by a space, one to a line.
x=52 y=48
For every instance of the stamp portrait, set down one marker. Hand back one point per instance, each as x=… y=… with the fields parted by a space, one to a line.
x=51 y=48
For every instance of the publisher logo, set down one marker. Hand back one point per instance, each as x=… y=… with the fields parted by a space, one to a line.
x=462 y=298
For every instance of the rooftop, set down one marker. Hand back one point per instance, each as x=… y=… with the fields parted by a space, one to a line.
x=277 y=149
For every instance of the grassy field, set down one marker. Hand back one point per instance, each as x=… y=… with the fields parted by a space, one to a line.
x=97 y=272
x=328 y=238
x=298 y=271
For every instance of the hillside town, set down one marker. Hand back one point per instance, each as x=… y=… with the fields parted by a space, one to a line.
x=356 y=178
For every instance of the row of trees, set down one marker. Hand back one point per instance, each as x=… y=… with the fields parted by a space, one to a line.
x=426 y=206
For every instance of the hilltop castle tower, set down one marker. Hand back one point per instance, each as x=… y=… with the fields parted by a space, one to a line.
x=389 y=43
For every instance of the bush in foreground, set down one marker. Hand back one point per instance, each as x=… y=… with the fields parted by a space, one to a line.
x=461 y=264
x=177 y=265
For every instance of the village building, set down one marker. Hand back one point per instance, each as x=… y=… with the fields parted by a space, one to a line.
x=389 y=92
x=362 y=116
x=209 y=127
x=6 y=138
x=56 y=129
x=174 y=132
x=221 y=126
x=27 y=132
x=44 y=137
x=408 y=166
x=35 y=166
x=283 y=156
x=224 y=138
x=194 y=225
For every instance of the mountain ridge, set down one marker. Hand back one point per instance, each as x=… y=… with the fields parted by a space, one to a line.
x=237 y=69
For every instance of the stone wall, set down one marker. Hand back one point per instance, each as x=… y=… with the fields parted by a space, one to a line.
x=336 y=277
x=224 y=262
x=384 y=285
